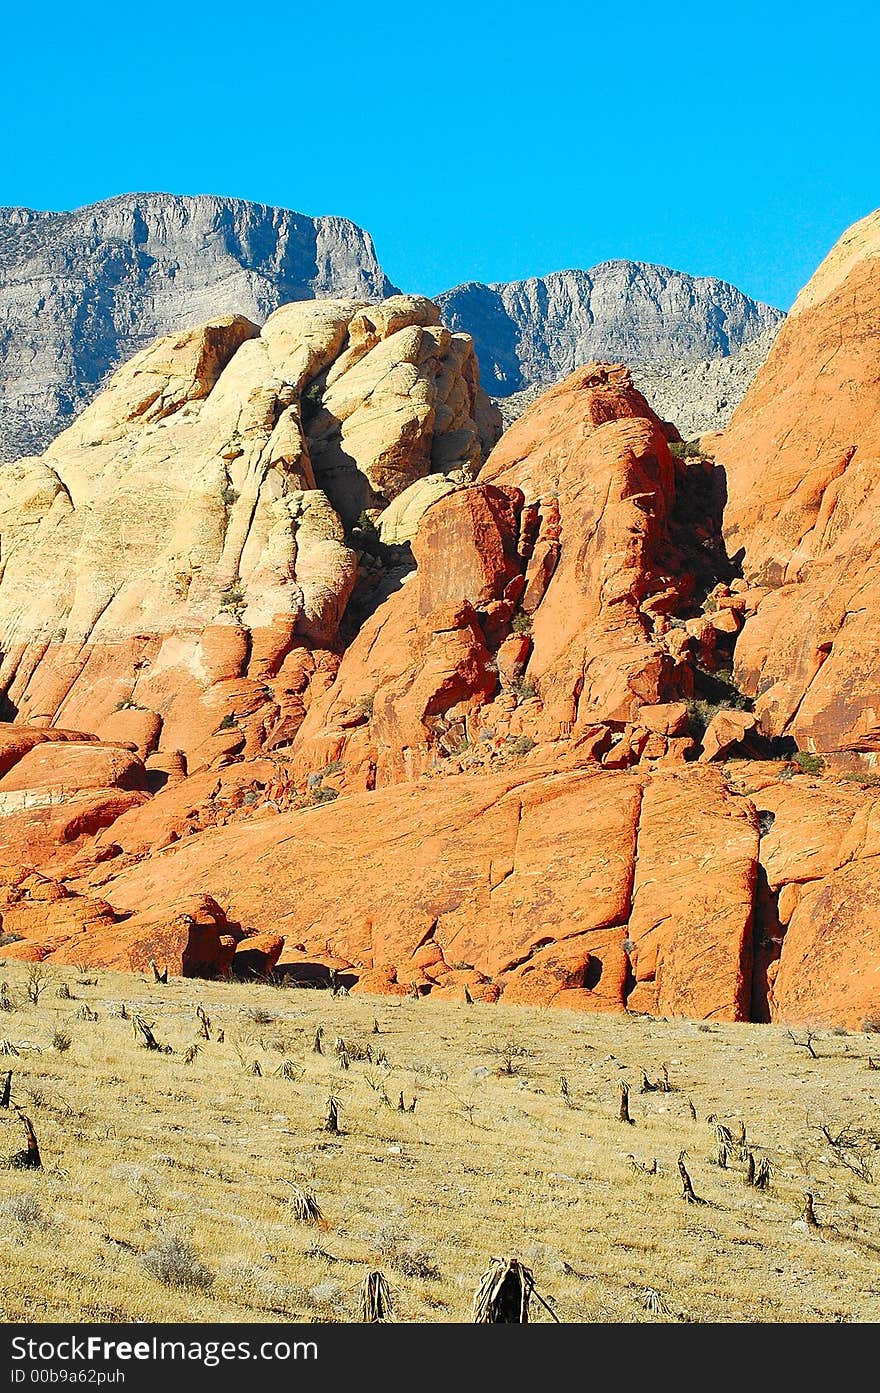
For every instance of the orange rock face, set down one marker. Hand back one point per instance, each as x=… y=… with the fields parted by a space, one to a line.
x=802 y=457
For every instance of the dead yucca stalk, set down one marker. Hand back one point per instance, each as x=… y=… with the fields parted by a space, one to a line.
x=288 y=1070
x=7 y=1090
x=256 y=1070
x=722 y=1155
x=190 y=1054
x=204 y=1022
x=808 y=1213
x=691 y=1109
x=623 y=1111
x=331 y=1122
x=143 y=1033
x=317 y=1047
x=566 y=1092
x=642 y=1166
x=646 y=1086
x=7 y=1047
x=504 y=1293
x=763 y=1172
x=342 y=1056
x=30 y=1158
x=687 y=1189
x=305 y=1207
x=64 y=992
x=376 y=1030
x=85 y=1013
x=375 y=1306
x=469 y=1000
x=653 y=1301
x=160 y=977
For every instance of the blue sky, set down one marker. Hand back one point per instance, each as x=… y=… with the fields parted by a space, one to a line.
x=475 y=141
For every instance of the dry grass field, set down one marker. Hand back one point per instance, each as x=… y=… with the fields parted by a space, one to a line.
x=168 y=1184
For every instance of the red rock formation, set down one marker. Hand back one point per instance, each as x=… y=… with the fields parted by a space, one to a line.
x=495 y=781
x=802 y=456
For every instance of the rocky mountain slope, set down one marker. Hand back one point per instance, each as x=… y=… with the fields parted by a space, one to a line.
x=81 y=292
x=533 y=332
x=700 y=395
x=580 y=719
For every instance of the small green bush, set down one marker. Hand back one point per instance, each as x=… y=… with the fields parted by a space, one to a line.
x=685 y=449
x=809 y=764
x=229 y=722
x=521 y=622
x=523 y=689
x=228 y=495
x=324 y=795
x=857 y=776
x=521 y=745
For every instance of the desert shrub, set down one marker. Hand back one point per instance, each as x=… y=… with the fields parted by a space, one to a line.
x=521 y=622
x=324 y=795
x=521 y=745
x=364 y=704
x=258 y=1014
x=229 y=722
x=61 y=1041
x=809 y=764
x=36 y=983
x=852 y=777
x=228 y=495
x=685 y=449
x=523 y=690
x=871 y=1023
x=25 y=1211
x=6 y=939
x=175 y=1263
x=232 y=598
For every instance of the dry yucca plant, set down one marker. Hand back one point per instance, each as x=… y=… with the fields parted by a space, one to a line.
x=375 y=1300
x=504 y=1293
x=305 y=1207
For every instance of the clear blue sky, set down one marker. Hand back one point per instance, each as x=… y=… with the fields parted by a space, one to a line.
x=475 y=141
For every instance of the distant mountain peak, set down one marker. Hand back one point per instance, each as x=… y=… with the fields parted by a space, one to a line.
x=81 y=291
x=534 y=331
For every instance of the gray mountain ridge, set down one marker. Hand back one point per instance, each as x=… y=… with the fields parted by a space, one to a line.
x=81 y=292
x=535 y=331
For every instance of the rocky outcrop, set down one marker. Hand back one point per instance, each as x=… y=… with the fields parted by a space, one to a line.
x=177 y=565
x=802 y=461
x=81 y=292
x=515 y=765
x=539 y=609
